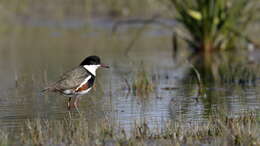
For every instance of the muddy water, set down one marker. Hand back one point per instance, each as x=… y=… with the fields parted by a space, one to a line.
x=35 y=54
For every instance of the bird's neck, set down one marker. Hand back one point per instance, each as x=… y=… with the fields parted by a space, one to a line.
x=91 y=68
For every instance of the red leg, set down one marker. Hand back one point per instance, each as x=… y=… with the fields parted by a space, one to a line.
x=75 y=103
x=68 y=103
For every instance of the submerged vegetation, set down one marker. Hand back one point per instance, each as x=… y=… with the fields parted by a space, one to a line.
x=220 y=130
x=215 y=24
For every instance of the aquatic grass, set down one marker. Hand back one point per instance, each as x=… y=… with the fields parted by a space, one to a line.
x=201 y=89
x=142 y=84
x=215 y=24
x=225 y=68
x=234 y=73
x=3 y=138
x=239 y=130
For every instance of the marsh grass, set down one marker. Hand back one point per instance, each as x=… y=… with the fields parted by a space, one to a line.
x=201 y=89
x=246 y=75
x=242 y=130
x=225 y=68
x=142 y=84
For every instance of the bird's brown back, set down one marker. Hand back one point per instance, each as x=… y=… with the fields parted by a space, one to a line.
x=72 y=79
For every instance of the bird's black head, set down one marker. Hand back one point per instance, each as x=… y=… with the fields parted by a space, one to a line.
x=91 y=60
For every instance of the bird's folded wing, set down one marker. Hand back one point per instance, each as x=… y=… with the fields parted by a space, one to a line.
x=72 y=79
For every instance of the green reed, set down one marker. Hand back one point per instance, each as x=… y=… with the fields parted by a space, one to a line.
x=215 y=24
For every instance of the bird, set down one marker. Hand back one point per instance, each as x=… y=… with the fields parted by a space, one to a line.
x=78 y=81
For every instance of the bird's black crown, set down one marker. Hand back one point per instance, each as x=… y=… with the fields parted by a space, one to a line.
x=91 y=60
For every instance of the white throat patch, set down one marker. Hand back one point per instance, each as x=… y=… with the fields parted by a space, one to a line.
x=92 y=68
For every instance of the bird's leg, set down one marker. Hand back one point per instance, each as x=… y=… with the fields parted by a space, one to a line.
x=68 y=103
x=75 y=103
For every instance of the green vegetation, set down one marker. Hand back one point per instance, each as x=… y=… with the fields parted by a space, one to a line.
x=215 y=24
x=220 y=130
x=142 y=84
x=247 y=75
x=201 y=89
x=225 y=67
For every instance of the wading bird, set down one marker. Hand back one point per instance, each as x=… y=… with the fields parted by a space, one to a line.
x=78 y=81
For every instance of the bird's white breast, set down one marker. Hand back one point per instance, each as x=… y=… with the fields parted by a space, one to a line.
x=84 y=82
x=92 y=68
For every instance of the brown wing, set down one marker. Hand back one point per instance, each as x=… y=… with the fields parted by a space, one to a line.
x=72 y=79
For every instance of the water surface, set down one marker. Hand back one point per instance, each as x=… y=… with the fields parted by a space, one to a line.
x=35 y=54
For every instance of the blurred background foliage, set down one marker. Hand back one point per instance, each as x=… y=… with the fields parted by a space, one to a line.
x=216 y=24
x=77 y=8
x=205 y=24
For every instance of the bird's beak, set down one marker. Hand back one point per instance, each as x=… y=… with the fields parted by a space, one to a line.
x=104 y=66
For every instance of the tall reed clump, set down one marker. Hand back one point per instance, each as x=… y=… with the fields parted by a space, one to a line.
x=215 y=24
x=142 y=84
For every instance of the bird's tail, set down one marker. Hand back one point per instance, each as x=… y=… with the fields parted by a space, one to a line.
x=45 y=90
x=48 y=88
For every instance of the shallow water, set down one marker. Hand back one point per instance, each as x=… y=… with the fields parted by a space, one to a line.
x=35 y=54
